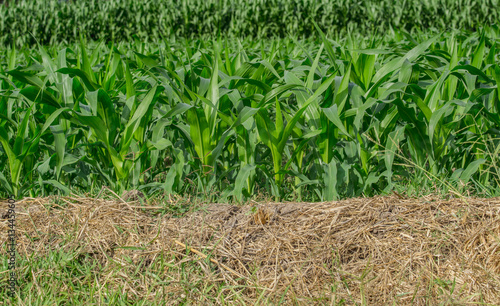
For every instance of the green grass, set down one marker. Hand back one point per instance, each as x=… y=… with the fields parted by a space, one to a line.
x=66 y=278
x=69 y=278
x=304 y=120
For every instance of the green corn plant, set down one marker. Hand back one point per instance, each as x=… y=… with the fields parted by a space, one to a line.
x=19 y=150
x=275 y=135
x=105 y=126
x=294 y=118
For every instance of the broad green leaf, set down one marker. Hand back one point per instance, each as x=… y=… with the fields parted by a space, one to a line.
x=471 y=169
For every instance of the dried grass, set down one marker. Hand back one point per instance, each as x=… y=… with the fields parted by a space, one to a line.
x=375 y=250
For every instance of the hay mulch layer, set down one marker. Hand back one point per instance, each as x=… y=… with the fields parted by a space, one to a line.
x=373 y=250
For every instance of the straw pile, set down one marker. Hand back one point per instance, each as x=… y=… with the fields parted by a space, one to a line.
x=366 y=250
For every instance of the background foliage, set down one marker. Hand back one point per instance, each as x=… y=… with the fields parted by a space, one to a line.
x=25 y=22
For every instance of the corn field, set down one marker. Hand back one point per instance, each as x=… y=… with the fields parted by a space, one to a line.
x=295 y=119
x=28 y=22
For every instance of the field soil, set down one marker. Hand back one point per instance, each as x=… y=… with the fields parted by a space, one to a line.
x=380 y=250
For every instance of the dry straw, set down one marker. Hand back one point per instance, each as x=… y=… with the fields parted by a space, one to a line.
x=366 y=250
